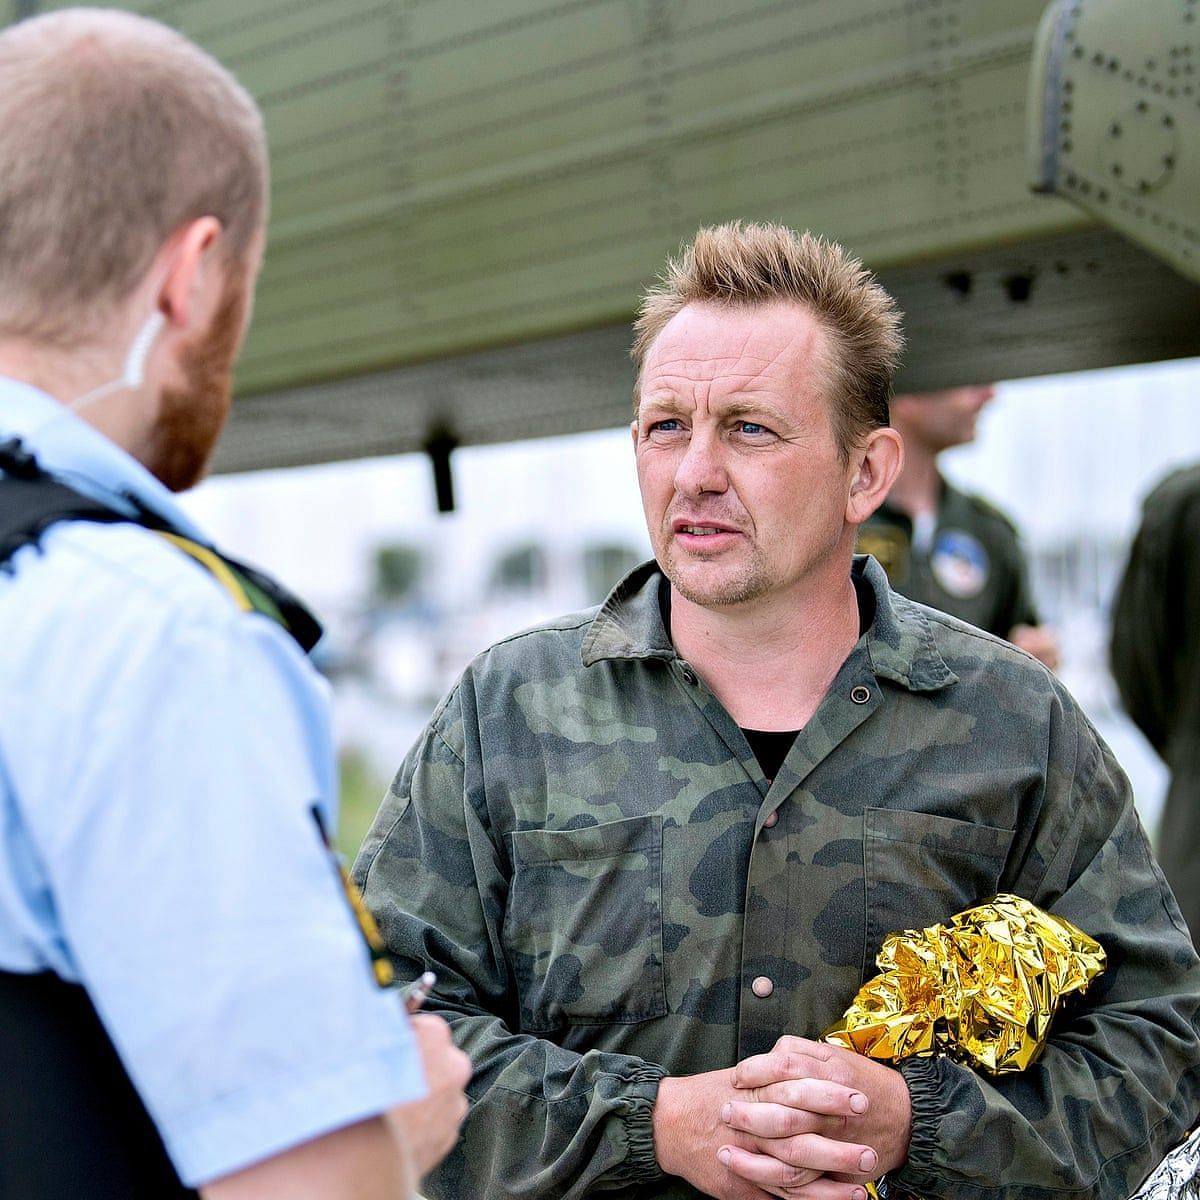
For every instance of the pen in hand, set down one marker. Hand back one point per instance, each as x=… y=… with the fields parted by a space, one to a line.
x=414 y=994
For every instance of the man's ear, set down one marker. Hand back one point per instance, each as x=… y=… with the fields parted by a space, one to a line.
x=878 y=464
x=190 y=273
x=633 y=429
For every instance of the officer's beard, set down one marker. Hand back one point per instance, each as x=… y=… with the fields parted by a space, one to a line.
x=190 y=418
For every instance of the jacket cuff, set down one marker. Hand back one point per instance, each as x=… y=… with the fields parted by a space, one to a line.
x=919 y=1173
x=641 y=1163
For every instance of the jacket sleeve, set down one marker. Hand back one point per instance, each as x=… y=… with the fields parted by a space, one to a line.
x=1119 y=1082
x=544 y=1120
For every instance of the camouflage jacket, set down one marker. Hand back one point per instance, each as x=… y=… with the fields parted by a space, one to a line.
x=973 y=568
x=578 y=846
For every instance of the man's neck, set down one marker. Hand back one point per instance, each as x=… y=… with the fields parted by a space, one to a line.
x=64 y=376
x=770 y=662
x=918 y=488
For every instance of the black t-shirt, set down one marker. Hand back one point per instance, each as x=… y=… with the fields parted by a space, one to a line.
x=771 y=746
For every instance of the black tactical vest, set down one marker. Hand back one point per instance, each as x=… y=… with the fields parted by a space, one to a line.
x=71 y=1123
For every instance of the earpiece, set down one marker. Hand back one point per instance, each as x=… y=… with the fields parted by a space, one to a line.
x=135 y=363
x=139 y=349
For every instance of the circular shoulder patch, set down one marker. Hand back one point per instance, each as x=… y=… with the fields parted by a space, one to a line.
x=959 y=563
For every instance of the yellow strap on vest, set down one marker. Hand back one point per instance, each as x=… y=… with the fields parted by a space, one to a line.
x=381 y=966
x=215 y=567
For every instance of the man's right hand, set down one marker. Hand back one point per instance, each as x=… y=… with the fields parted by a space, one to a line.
x=788 y=1102
x=690 y=1131
x=430 y=1126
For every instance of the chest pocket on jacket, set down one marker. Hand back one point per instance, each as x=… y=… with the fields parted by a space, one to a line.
x=921 y=869
x=584 y=924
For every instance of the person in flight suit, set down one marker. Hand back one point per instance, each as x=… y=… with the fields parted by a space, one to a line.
x=945 y=547
x=1155 y=659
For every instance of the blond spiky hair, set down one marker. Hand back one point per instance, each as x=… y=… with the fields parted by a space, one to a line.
x=739 y=265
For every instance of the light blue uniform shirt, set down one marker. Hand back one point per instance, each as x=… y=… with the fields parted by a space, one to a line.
x=160 y=752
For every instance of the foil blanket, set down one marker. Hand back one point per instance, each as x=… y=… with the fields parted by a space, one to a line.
x=982 y=989
x=1177 y=1177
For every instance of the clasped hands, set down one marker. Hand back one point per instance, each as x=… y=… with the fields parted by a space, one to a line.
x=805 y=1121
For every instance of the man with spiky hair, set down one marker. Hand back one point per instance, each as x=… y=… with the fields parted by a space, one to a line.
x=653 y=849
x=185 y=999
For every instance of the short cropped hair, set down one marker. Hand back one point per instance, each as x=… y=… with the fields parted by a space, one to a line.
x=115 y=131
x=738 y=265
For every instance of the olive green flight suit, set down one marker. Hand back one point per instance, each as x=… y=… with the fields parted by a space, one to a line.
x=1156 y=663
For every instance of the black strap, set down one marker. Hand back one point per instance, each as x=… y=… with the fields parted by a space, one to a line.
x=32 y=500
x=71 y=1122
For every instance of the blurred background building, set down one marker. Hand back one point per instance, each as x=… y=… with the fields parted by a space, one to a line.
x=541 y=527
x=468 y=200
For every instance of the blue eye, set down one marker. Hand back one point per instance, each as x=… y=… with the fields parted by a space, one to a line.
x=670 y=425
x=752 y=427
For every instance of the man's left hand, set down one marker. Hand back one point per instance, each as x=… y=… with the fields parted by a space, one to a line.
x=778 y=1118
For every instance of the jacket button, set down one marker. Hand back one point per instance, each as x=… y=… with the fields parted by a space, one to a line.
x=688 y=674
x=762 y=987
x=860 y=694
x=771 y=818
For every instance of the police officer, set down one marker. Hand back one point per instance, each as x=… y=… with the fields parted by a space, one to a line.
x=186 y=999
x=944 y=547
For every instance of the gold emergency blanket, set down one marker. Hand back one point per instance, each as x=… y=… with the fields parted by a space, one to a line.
x=982 y=989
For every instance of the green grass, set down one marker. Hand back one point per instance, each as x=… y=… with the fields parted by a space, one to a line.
x=361 y=792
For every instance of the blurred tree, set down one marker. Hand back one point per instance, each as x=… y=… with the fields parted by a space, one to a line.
x=360 y=793
x=397 y=572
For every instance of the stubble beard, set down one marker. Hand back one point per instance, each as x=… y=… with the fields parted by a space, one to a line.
x=190 y=418
x=751 y=582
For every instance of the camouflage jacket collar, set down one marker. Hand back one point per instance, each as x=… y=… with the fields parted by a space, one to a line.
x=899 y=644
x=630 y=622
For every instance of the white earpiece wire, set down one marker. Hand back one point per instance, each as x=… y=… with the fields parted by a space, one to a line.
x=134 y=370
